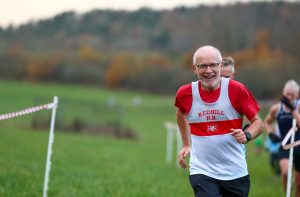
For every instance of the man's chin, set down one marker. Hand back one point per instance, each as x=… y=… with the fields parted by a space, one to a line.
x=210 y=84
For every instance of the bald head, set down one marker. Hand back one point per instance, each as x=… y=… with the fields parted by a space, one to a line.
x=292 y=85
x=291 y=90
x=203 y=52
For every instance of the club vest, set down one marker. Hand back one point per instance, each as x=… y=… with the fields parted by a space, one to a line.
x=284 y=121
x=215 y=153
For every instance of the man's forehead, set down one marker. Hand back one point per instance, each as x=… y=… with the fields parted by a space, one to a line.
x=206 y=51
x=290 y=90
x=206 y=58
x=207 y=55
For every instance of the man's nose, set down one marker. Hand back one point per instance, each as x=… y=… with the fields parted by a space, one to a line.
x=290 y=97
x=208 y=69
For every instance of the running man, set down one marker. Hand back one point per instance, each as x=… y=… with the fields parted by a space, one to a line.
x=210 y=113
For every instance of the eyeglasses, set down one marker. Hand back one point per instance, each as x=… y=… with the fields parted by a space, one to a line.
x=212 y=66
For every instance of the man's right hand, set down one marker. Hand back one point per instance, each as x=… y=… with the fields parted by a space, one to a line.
x=185 y=151
x=274 y=138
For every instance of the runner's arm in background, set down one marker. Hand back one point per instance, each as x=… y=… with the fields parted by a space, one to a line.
x=271 y=116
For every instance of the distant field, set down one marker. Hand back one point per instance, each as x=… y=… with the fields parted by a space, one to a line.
x=90 y=166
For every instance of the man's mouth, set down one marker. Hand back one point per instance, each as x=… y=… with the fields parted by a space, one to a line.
x=209 y=77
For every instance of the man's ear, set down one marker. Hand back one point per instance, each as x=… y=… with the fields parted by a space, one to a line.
x=194 y=68
x=233 y=75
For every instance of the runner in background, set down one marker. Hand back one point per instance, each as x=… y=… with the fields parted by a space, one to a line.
x=227 y=69
x=283 y=114
x=273 y=149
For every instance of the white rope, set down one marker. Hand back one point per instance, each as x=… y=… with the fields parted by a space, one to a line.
x=26 y=111
x=287 y=137
x=294 y=144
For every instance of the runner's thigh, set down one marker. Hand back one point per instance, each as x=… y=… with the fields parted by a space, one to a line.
x=236 y=188
x=204 y=186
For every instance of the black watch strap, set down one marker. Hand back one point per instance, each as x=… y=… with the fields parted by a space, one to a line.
x=248 y=135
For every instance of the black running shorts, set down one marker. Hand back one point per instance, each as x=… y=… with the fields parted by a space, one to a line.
x=205 y=186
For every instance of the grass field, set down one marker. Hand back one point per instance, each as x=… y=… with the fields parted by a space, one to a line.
x=91 y=166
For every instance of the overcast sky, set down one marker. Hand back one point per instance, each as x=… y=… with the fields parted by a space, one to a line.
x=21 y=11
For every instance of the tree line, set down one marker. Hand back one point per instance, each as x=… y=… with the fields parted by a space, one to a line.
x=151 y=50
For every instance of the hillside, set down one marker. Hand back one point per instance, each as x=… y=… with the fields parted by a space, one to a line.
x=116 y=48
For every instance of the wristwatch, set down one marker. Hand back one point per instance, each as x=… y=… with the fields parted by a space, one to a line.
x=248 y=135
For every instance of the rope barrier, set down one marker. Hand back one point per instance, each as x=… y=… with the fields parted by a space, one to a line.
x=29 y=110
x=294 y=144
x=287 y=137
x=26 y=111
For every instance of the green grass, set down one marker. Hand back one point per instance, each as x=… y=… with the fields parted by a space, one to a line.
x=101 y=166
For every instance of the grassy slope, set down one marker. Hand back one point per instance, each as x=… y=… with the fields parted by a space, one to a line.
x=99 y=166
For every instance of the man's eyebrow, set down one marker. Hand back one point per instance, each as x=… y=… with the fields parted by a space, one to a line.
x=227 y=63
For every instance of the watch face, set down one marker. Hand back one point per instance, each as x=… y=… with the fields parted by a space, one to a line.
x=248 y=136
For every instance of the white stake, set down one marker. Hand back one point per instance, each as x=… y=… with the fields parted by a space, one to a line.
x=172 y=132
x=169 y=144
x=290 y=165
x=50 y=142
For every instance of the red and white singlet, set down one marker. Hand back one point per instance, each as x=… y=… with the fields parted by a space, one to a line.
x=215 y=153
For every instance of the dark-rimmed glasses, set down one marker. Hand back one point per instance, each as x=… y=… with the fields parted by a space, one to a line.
x=211 y=65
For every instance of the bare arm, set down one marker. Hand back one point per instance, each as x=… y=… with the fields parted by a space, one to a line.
x=184 y=127
x=256 y=126
x=185 y=136
x=270 y=118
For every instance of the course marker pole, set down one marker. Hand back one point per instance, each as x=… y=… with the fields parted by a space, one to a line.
x=171 y=128
x=290 y=164
x=179 y=141
x=50 y=142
